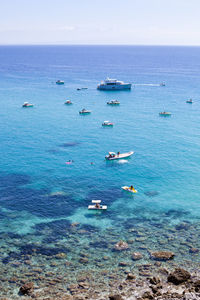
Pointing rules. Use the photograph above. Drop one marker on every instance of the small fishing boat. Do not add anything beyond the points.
(60, 82)
(165, 113)
(113, 102)
(68, 102)
(84, 111)
(189, 101)
(97, 205)
(26, 104)
(162, 84)
(118, 155)
(78, 89)
(107, 123)
(130, 189)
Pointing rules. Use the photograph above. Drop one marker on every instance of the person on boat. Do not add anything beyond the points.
(118, 153)
(97, 205)
(131, 187)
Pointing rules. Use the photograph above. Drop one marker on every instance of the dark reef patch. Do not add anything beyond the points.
(14, 180)
(69, 144)
(151, 193)
(175, 213)
(32, 249)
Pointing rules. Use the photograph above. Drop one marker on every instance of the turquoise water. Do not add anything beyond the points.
(39, 189)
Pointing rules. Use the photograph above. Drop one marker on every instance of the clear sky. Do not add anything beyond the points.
(137, 22)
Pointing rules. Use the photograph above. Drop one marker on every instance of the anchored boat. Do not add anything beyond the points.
(118, 155)
(60, 82)
(26, 104)
(165, 113)
(84, 111)
(68, 102)
(107, 123)
(113, 102)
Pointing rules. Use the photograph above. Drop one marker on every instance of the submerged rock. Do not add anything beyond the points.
(136, 256)
(130, 276)
(162, 255)
(178, 276)
(194, 250)
(27, 288)
(121, 245)
(115, 297)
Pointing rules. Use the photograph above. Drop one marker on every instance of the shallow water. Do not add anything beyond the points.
(41, 195)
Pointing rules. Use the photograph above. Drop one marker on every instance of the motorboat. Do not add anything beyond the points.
(113, 102)
(189, 101)
(68, 102)
(113, 84)
(83, 88)
(165, 113)
(26, 104)
(84, 111)
(130, 189)
(60, 82)
(96, 205)
(118, 155)
(162, 84)
(107, 123)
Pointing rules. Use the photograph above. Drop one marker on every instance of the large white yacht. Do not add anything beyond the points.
(113, 84)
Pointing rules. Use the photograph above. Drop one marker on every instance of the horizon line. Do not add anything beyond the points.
(136, 45)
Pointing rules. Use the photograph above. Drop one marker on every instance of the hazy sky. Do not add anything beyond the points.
(143, 22)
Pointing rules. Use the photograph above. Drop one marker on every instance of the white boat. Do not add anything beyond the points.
(26, 104)
(130, 189)
(107, 123)
(113, 102)
(118, 155)
(84, 111)
(97, 205)
(60, 82)
(113, 84)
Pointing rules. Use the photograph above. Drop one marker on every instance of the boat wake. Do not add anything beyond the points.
(146, 84)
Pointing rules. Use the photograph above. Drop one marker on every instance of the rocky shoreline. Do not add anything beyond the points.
(178, 284)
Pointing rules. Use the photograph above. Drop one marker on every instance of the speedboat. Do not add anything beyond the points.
(130, 189)
(107, 123)
(26, 104)
(165, 113)
(118, 155)
(84, 111)
(113, 84)
(189, 101)
(60, 82)
(113, 102)
(97, 205)
(68, 102)
(162, 84)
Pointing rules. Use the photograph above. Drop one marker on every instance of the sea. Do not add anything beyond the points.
(53, 161)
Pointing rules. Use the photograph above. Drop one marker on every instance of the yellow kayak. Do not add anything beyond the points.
(129, 189)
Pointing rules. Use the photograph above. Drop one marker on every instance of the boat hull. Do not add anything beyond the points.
(117, 87)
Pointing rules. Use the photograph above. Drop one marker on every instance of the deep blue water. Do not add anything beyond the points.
(37, 187)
